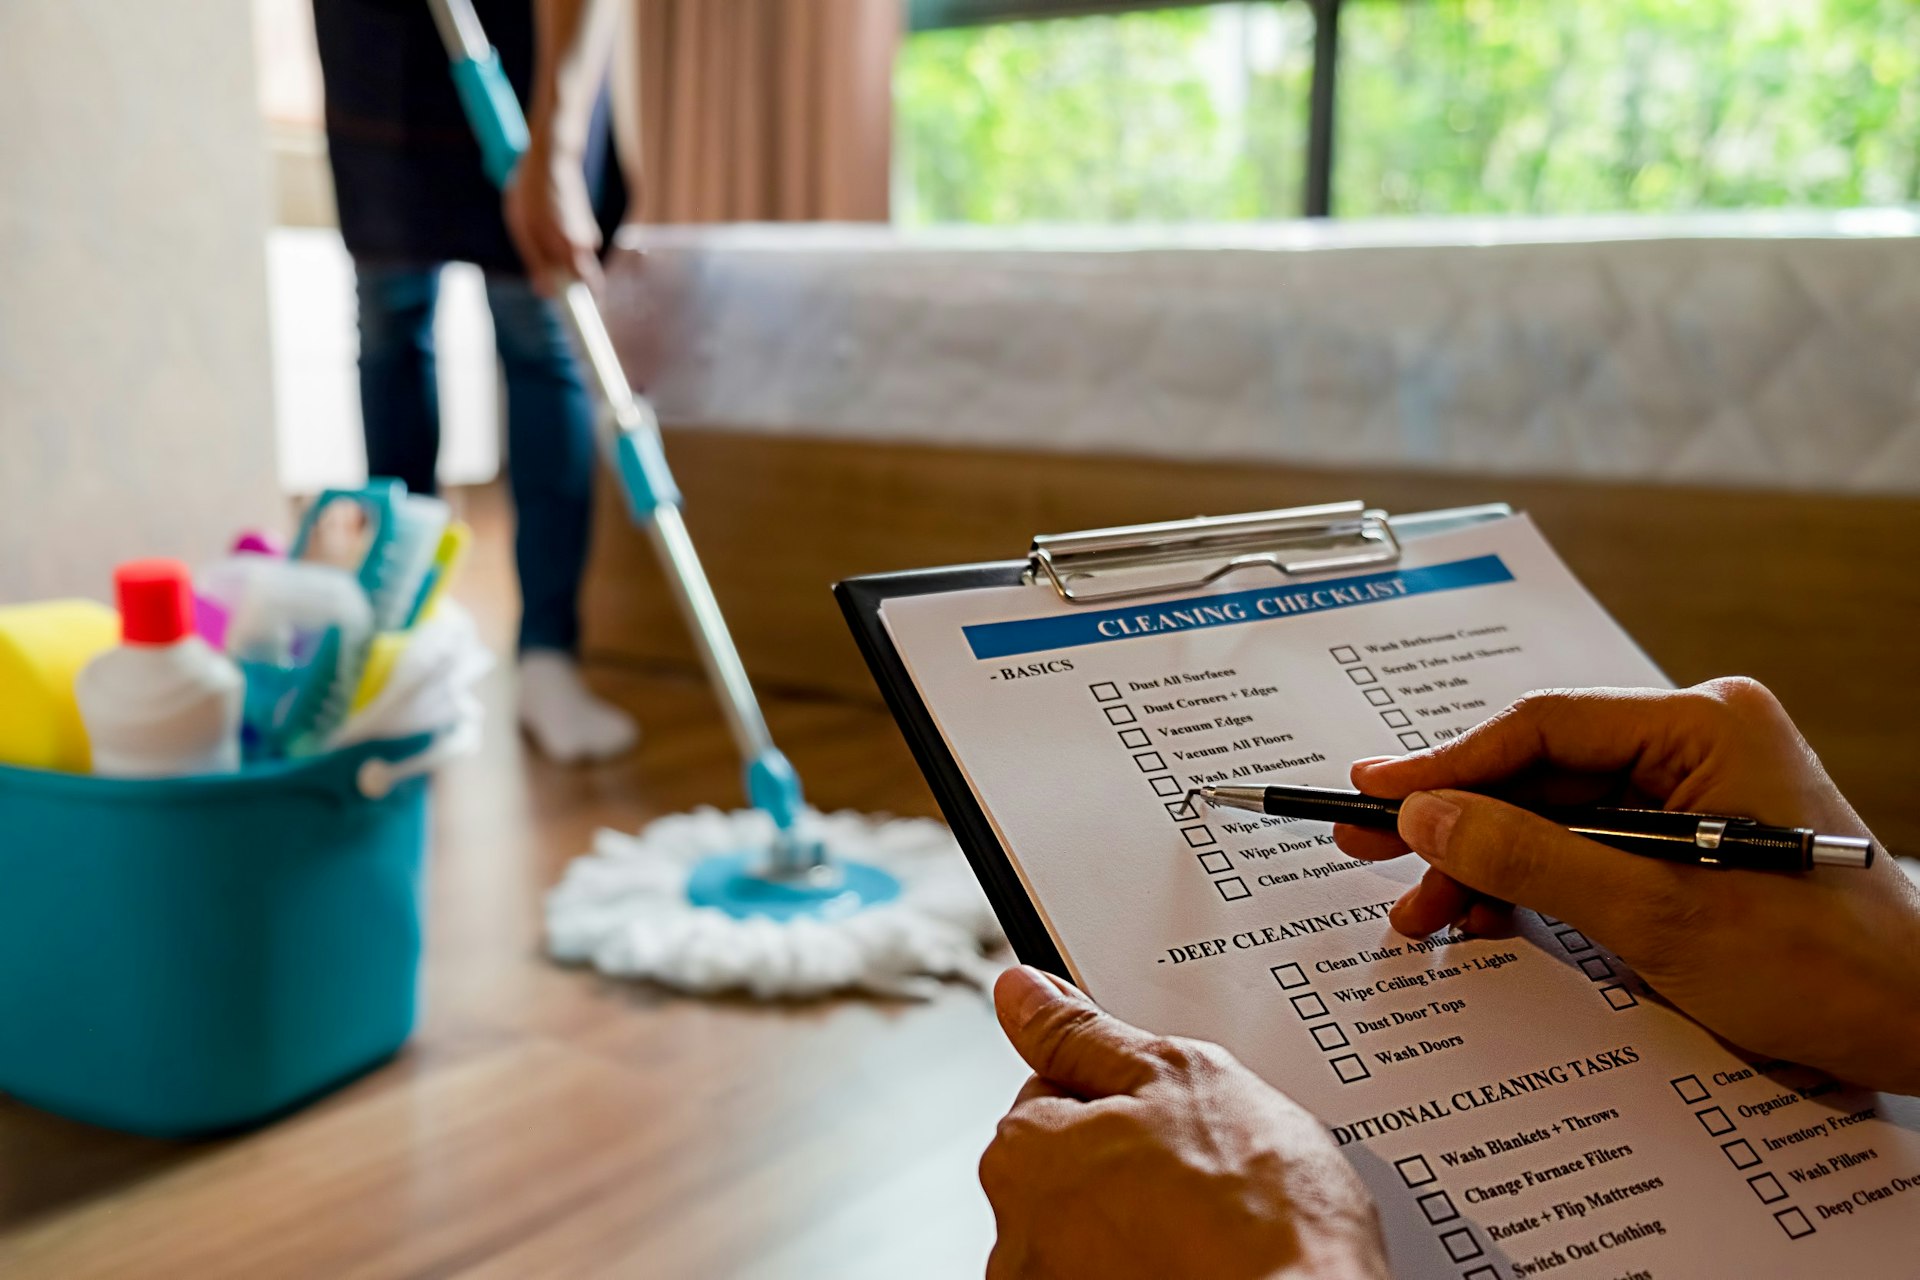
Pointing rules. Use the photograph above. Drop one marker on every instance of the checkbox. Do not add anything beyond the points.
(1134, 738)
(1413, 741)
(1105, 691)
(1619, 997)
(1349, 1068)
(1480, 1273)
(1767, 1187)
(1794, 1223)
(1180, 811)
(1149, 761)
(1741, 1152)
(1121, 714)
(1690, 1089)
(1233, 889)
(1395, 718)
(1164, 786)
(1414, 1170)
(1216, 862)
(1198, 837)
(1379, 697)
(1438, 1206)
(1714, 1121)
(1361, 675)
(1574, 940)
(1461, 1244)
(1309, 1006)
(1596, 968)
(1346, 655)
(1290, 976)
(1328, 1035)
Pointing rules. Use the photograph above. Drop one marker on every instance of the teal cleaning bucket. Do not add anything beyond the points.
(183, 956)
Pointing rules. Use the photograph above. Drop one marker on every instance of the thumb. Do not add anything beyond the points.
(1509, 853)
(1067, 1039)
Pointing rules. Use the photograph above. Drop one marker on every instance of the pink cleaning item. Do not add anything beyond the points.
(210, 619)
(256, 542)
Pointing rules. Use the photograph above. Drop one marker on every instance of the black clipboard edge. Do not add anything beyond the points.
(860, 600)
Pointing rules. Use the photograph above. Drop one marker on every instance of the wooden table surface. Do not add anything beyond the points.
(547, 1122)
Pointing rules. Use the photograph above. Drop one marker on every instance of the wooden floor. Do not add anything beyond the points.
(545, 1122)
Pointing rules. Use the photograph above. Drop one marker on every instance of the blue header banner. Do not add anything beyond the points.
(1066, 631)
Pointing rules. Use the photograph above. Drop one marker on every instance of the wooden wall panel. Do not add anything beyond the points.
(1814, 595)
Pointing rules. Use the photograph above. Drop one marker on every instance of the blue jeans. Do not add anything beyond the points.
(550, 441)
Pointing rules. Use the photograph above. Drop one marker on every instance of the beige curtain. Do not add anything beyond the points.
(761, 110)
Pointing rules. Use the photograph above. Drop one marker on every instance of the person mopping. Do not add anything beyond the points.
(779, 899)
(412, 196)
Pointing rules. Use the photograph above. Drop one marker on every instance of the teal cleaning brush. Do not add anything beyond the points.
(386, 538)
(418, 524)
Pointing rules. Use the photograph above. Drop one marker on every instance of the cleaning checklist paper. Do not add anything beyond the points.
(1521, 1106)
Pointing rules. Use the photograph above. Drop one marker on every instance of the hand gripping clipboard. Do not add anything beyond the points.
(1098, 567)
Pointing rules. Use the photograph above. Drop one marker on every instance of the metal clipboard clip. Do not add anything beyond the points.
(1177, 555)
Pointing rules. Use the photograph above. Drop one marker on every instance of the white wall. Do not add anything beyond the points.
(135, 378)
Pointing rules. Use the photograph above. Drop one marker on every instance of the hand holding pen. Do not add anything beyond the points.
(1674, 835)
(1821, 968)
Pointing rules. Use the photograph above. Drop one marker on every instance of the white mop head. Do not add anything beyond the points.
(623, 909)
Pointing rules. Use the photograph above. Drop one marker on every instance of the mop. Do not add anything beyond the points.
(776, 900)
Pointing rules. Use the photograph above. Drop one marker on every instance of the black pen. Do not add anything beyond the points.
(1701, 839)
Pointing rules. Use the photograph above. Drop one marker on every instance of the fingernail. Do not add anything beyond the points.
(1370, 762)
(1021, 993)
(1426, 820)
(1061, 985)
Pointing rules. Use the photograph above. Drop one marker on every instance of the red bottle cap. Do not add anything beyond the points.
(156, 601)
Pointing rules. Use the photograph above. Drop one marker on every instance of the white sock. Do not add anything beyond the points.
(563, 717)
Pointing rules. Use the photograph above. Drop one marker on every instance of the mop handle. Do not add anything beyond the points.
(654, 499)
(486, 98)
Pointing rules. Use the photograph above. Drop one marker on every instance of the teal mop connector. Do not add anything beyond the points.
(774, 788)
(739, 883)
(647, 482)
(493, 113)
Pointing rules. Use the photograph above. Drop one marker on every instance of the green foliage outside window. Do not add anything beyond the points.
(1444, 106)
(1158, 117)
(1484, 106)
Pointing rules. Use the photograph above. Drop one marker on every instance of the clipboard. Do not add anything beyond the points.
(1291, 989)
(1100, 567)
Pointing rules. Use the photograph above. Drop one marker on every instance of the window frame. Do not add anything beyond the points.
(943, 15)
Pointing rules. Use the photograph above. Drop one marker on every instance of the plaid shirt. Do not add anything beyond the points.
(406, 170)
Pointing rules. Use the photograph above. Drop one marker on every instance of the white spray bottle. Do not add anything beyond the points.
(161, 703)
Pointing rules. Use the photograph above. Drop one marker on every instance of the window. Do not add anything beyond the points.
(1066, 110)
(1173, 115)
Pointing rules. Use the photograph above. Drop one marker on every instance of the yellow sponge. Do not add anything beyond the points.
(42, 648)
